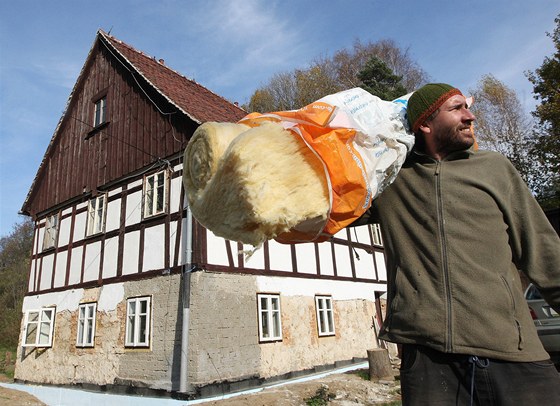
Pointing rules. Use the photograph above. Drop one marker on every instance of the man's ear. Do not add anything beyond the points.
(425, 128)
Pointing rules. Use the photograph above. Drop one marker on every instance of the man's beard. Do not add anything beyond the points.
(455, 140)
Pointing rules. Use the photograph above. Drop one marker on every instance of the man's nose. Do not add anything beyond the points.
(468, 116)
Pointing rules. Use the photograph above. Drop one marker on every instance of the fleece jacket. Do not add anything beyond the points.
(457, 232)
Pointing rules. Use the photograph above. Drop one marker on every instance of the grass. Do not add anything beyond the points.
(7, 363)
(321, 398)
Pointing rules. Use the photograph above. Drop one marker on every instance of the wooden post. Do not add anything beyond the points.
(379, 365)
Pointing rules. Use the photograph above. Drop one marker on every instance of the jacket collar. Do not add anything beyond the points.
(421, 157)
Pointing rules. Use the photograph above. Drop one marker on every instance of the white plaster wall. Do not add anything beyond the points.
(175, 194)
(340, 290)
(217, 253)
(60, 271)
(46, 272)
(41, 235)
(154, 248)
(76, 265)
(381, 266)
(112, 220)
(64, 231)
(133, 208)
(32, 276)
(131, 253)
(80, 226)
(92, 261)
(325, 258)
(67, 300)
(364, 266)
(255, 260)
(110, 257)
(280, 256)
(172, 239)
(362, 234)
(343, 265)
(110, 296)
(306, 258)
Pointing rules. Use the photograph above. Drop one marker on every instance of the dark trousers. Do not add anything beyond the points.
(429, 377)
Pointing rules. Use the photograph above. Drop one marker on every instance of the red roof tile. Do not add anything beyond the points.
(196, 101)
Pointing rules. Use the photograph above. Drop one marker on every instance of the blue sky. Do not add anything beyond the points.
(234, 46)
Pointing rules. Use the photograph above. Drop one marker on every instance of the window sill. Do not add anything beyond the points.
(97, 129)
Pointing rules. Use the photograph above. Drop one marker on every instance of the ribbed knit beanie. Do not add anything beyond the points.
(426, 100)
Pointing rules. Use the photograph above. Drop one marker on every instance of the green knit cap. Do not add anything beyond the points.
(426, 100)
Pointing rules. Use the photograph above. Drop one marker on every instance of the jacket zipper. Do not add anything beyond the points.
(444, 263)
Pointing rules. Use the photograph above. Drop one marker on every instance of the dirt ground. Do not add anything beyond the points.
(11, 397)
(344, 389)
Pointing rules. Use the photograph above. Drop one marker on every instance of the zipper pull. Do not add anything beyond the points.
(438, 166)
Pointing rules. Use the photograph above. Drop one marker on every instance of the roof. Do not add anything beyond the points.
(194, 100)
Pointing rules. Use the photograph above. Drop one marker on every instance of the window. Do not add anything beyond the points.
(39, 326)
(138, 322)
(96, 215)
(86, 324)
(51, 231)
(376, 230)
(325, 318)
(270, 325)
(100, 115)
(155, 194)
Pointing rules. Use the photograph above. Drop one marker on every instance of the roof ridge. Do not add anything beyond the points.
(152, 59)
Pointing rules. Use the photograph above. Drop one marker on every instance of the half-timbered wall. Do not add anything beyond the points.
(135, 134)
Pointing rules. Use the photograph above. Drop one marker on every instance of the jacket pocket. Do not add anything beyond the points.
(515, 321)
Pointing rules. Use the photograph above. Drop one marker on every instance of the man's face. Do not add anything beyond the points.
(450, 130)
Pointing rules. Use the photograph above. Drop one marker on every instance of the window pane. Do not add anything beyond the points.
(80, 332)
(143, 330)
(143, 306)
(160, 191)
(31, 333)
(264, 303)
(130, 330)
(44, 333)
(264, 323)
(276, 324)
(132, 307)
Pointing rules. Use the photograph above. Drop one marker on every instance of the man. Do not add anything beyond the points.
(458, 226)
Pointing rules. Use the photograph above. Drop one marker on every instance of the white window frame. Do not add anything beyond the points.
(100, 111)
(325, 315)
(270, 317)
(87, 314)
(39, 327)
(376, 232)
(51, 231)
(138, 323)
(155, 194)
(97, 208)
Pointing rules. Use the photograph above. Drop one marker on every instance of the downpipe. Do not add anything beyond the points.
(185, 299)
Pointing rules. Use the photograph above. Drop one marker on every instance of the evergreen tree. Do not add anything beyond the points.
(379, 80)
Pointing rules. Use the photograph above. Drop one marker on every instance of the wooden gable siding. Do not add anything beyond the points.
(83, 159)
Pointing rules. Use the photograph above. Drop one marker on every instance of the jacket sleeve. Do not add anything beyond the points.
(534, 242)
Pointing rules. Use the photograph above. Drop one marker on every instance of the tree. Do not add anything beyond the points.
(502, 125)
(15, 259)
(325, 76)
(380, 81)
(546, 89)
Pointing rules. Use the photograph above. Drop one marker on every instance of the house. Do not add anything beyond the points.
(128, 293)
